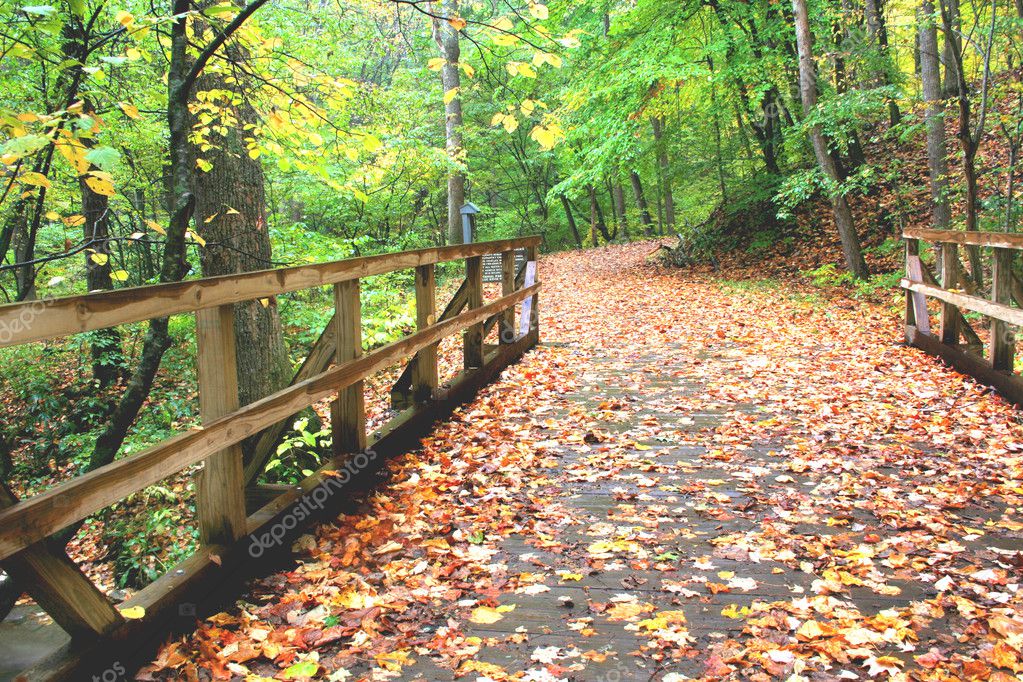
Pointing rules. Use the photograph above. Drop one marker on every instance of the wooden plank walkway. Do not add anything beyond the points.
(644, 498)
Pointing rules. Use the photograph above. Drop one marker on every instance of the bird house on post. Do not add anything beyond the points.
(469, 212)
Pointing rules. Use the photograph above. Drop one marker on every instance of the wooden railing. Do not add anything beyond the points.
(336, 367)
(955, 340)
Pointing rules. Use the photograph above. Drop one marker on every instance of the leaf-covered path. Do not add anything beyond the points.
(693, 477)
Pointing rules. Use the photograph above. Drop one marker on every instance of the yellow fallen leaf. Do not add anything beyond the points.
(486, 615)
(133, 612)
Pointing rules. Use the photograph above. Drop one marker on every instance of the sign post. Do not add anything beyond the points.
(468, 212)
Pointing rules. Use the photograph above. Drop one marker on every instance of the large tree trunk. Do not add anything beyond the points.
(446, 37)
(644, 210)
(664, 172)
(808, 95)
(930, 77)
(230, 208)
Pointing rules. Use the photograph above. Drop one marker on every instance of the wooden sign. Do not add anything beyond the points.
(526, 321)
(492, 265)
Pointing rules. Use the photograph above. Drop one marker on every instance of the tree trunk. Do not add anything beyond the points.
(571, 221)
(968, 138)
(105, 348)
(230, 208)
(951, 54)
(597, 222)
(175, 264)
(808, 95)
(644, 211)
(878, 29)
(446, 37)
(930, 77)
(664, 172)
(618, 194)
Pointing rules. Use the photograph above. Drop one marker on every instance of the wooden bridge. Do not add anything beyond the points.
(686, 488)
(231, 508)
(955, 340)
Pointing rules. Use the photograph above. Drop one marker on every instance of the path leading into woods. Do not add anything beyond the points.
(692, 478)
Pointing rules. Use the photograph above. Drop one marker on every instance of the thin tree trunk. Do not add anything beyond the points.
(597, 221)
(930, 77)
(105, 348)
(446, 37)
(808, 94)
(618, 194)
(953, 47)
(878, 29)
(571, 220)
(664, 171)
(644, 211)
(970, 139)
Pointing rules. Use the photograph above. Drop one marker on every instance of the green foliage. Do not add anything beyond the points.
(299, 454)
(877, 287)
(148, 534)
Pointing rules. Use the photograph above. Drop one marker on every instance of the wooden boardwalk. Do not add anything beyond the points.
(646, 498)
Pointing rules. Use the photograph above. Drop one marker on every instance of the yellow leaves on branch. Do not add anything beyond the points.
(35, 179)
(541, 58)
(436, 64)
(547, 136)
(458, 22)
(520, 69)
(100, 183)
(450, 95)
(539, 11)
(509, 122)
(504, 36)
(74, 153)
(130, 110)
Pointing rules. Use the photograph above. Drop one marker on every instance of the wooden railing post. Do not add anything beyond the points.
(473, 337)
(220, 486)
(506, 329)
(949, 321)
(424, 373)
(348, 412)
(1003, 341)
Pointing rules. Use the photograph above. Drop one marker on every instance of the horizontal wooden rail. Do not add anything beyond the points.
(999, 311)
(47, 319)
(35, 518)
(996, 367)
(1001, 240)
